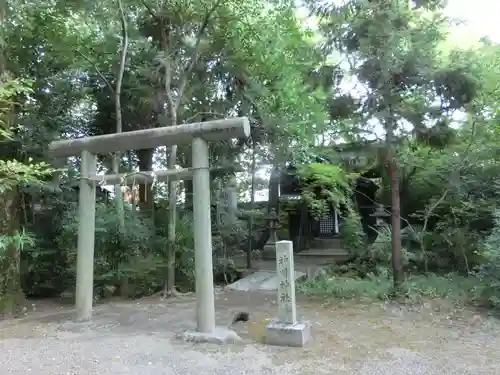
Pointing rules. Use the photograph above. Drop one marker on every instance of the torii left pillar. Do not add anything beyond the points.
(86, 238)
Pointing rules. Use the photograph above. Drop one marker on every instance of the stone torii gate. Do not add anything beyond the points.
(199, 134)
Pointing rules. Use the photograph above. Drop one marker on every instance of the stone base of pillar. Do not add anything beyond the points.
(286, 334)
(220, 335)
(269, 251)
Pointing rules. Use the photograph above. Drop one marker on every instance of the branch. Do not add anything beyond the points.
(150, 11)
(121, 70)
(215, 114)
(194, 58)
(97, 70)
(429, 211)
(168, 78)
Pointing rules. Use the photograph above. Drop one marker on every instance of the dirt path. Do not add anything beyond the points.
(139, 338)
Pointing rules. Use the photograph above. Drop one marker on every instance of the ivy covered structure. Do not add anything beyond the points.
(319, 192)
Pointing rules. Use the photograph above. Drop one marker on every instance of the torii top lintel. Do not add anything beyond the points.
(210, 131)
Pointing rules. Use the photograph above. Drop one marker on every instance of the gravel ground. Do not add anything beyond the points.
(357, 339)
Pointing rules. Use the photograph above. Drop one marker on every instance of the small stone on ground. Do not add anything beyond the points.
(221, 335)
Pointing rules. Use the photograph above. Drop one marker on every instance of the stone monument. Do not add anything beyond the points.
(286, 330)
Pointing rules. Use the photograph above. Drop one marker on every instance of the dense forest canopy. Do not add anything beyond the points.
(84, 68)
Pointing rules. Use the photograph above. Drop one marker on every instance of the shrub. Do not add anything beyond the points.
(489, 271)
(378, 285)
(129, 255)
(352, 235)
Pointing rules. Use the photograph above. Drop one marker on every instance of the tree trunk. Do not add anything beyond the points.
(11, 294)
(252, 207)
(188, 184)
(397, 268)
(172, 111)
(120, 209)
(392, 168)
(172, 218)
(118, 114)
(274, 193)
(188, 190)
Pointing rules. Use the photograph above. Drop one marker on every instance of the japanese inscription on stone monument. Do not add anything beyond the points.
(286, 282)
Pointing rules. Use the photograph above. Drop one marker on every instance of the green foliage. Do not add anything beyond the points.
(15, 173)
(324, 185)
(378, 285)
(457, 184)
(275, 72)
(326, 284)
(129, 254)
(380, 250)
(19, 240)
(184, 249)
(227, 242)
(9, 88)
(352, 235)
(342, 107)
(456, 86)
(62, 71)
(489, 270)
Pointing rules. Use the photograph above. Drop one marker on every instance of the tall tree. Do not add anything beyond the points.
(14, 172)
(232, 46)
(393, 47)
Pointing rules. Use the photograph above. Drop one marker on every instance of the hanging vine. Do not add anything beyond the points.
(324, 186)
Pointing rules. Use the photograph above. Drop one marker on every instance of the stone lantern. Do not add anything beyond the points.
(379, 214)
(269, 251)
